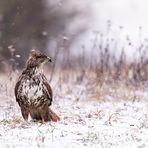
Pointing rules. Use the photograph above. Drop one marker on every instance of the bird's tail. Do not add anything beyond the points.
(48, 115)
(53, 116)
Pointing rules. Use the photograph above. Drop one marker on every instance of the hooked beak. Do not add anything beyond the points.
(49, 59)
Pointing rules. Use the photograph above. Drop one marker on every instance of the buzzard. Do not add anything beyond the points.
(33, 92)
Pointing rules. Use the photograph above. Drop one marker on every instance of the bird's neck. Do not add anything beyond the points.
(34, 70)
(39, 70)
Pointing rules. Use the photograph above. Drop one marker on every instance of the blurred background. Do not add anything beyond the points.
(44, 25)
(101, 36)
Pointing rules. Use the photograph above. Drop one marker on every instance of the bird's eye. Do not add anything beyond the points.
(42, 57)
(39, 56)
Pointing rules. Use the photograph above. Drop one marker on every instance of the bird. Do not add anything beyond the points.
(33, 92)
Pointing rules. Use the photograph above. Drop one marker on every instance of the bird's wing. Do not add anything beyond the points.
(16, 90)
(48, 91)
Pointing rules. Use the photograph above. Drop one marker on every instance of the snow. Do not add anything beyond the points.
(83, 124)
(112, 118)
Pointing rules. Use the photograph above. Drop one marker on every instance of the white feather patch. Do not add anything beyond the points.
(32, 91)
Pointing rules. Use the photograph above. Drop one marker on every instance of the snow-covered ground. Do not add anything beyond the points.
(83, 124)
(91, 123)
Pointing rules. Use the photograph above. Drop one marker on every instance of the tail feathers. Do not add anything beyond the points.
(53, 116)
(48, 115)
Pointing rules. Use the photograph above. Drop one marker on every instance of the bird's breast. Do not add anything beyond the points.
(32, 89)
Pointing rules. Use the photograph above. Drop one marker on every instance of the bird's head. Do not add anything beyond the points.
(36, 59)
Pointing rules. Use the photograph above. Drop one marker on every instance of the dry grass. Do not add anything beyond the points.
(92, 114)
(118, 88)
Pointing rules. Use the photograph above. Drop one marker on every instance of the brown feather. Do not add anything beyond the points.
(33, 92)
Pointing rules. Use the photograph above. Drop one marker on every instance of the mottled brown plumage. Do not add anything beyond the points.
(33, 92)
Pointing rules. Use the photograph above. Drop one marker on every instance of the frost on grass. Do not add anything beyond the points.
(114, 117)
